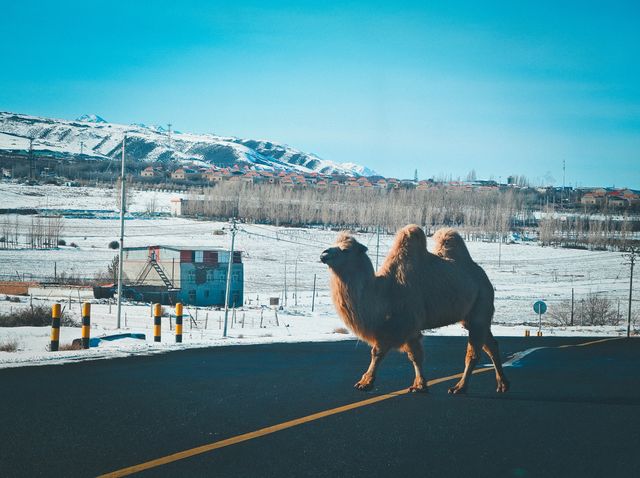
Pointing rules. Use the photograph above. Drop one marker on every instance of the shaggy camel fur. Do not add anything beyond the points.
(414, 290)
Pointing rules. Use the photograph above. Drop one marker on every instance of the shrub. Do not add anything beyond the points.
(62, 242)
(9, 346)
(598, 310)
(594, 309)
(73, 244)
(11, 298)
(114, 245)
(340, 330)
(37, 316)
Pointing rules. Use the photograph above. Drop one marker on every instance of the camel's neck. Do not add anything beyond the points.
(355, 299)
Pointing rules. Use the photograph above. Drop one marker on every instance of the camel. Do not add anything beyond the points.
(414, 290)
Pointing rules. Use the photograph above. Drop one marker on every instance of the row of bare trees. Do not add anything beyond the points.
(601, 231)
(474, 212)
(34, 232)
(478, 214)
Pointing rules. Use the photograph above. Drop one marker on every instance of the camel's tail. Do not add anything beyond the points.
(450, 245)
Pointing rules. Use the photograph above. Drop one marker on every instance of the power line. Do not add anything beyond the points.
(286, 232)
(315, 246)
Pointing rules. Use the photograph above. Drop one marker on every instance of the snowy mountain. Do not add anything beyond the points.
(99, 139)
(91, 119)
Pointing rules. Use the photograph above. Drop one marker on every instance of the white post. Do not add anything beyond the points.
(313, 297)
(228, 292)
(539, 320)
(120, 253)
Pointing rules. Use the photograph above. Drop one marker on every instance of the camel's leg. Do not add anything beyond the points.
(491, 348)
(415, 352)
(476, 341)
(377, 354)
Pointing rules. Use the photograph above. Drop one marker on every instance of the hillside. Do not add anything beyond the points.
(96, 138)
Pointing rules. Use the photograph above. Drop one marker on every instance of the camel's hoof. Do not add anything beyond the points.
(420, 389)
(419, 385)
(457, 390)
(363, 386)
(503, 387)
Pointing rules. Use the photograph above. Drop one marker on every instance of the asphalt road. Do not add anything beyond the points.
(572, 411)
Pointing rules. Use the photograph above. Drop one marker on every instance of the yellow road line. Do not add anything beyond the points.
(272, 429)
(599, 341)
(289, 424)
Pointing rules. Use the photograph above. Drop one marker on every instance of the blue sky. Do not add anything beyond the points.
(498, 87)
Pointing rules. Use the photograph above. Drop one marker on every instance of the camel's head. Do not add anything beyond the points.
(347, 252)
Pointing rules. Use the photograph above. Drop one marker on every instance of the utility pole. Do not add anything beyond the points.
(285, 279)
(377, 245)
(169, 133)
(563, 186)
(631, 255)
(121, 251)
(228, 292)
(81, 148)
(32, 165)
(572, 306)
(295, 282)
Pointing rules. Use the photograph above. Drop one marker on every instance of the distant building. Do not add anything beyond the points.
(632, 196)
(195, 276)
(423, 185)
(617, 201)
(151, 172)
(213, 176)
(185, 173)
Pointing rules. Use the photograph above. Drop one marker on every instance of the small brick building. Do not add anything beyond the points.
(196, 276)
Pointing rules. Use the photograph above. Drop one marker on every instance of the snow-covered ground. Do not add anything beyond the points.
(15, 195)
(521, 274)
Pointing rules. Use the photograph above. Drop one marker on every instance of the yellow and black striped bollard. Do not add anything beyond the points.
(86, 324)
(55, 328)
(157, 321)
(178, 323)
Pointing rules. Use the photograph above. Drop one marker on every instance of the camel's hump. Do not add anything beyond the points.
(412, 236)
(448, 243)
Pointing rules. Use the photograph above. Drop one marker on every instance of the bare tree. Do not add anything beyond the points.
(151, 205)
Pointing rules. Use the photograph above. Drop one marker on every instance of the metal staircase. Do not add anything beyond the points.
(152, 264)
(161, 273)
